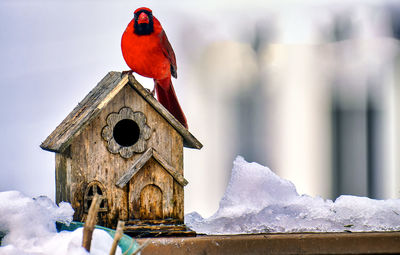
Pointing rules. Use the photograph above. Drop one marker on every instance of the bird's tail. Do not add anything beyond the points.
(167, 97)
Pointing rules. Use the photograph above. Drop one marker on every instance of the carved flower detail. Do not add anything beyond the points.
(126, 132)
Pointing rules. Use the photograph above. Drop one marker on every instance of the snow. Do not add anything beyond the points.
(29, 225)
(258, 201)
(255, 201)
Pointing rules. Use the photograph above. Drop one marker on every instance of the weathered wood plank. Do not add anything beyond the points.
(177, 176)
(178, 212)
(63, 166)
(161, 233)
(135, 168)
(158, 230)
(154, 222)
(155, 227)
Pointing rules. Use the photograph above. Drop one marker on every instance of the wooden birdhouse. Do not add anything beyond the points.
(123, 145)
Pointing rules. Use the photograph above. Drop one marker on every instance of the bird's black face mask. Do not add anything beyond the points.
(143, 28)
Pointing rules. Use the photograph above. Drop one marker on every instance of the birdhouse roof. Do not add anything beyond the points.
(96, 100)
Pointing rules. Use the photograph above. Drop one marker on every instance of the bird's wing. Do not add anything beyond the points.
(169, 53)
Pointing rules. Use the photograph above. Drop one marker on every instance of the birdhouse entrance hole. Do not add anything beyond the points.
(126, 132)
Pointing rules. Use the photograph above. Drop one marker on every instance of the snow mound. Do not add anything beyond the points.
(258, 201)
(29, 228)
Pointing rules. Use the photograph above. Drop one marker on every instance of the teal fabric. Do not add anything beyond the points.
(127, 244)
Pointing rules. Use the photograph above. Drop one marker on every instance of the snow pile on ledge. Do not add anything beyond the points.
(258, 201)
(29, 225)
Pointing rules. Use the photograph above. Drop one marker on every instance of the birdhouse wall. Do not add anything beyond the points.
(63, 173)
(87, 159)
(161, 203)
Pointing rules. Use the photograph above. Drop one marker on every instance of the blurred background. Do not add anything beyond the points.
(310, 89)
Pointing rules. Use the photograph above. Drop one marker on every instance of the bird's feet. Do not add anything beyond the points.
(152, 92)
(126, 72)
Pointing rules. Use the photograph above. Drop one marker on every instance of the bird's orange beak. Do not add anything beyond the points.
(143, 18)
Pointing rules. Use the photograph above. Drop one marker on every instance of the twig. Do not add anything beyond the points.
(141, 247)
(118, 234)
(90, 222)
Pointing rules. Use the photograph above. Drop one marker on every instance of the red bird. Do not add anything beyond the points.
(147, 51)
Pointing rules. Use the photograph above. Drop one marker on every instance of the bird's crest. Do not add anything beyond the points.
(141, 9)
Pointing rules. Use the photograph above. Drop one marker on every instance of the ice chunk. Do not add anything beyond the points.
(253, 187)
(258, 201)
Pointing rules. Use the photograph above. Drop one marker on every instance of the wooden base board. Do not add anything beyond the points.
(298, 243)
(157, 228)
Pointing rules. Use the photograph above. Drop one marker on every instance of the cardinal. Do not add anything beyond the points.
(147, 51)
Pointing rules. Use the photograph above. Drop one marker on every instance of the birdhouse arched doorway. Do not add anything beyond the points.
(151, 203)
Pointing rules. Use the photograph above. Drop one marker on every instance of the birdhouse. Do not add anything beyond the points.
(123, 145)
